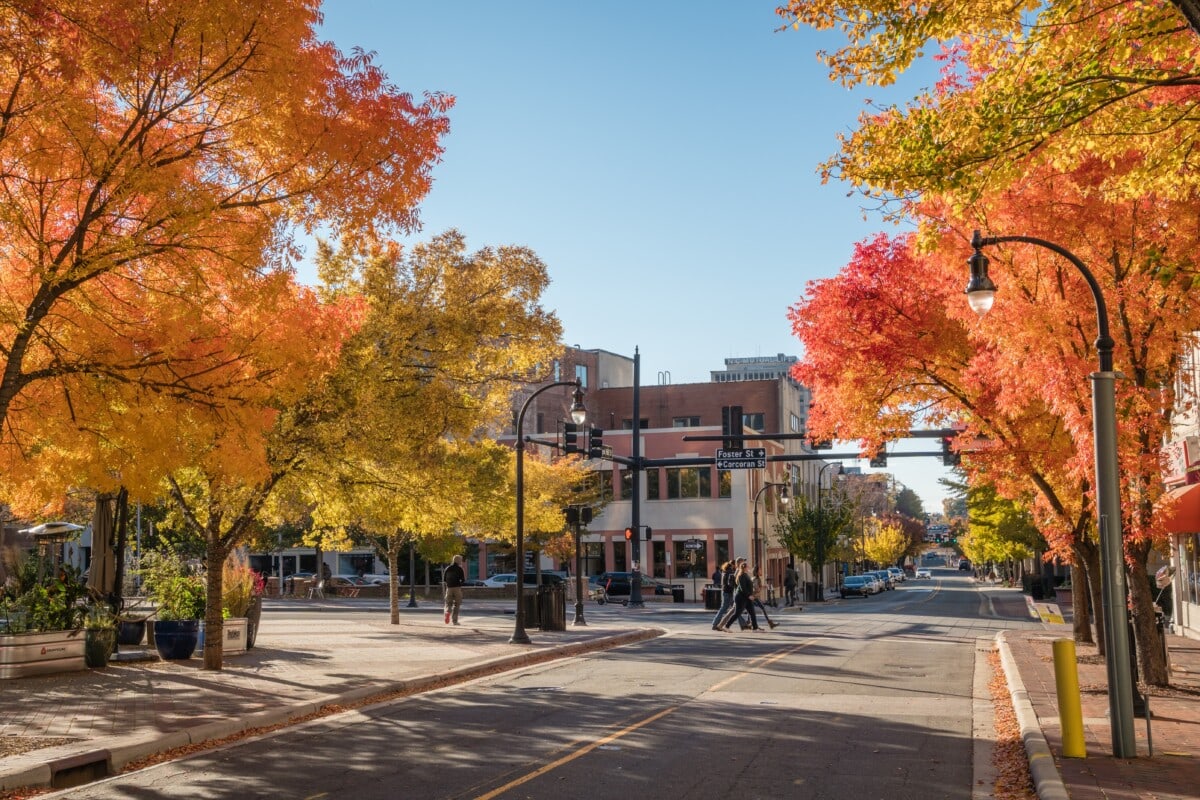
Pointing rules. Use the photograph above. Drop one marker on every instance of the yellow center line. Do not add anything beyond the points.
(553, 765)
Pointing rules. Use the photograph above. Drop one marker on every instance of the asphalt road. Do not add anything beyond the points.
(865, 698)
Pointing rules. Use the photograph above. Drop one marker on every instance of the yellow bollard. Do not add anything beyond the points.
(1070, 715)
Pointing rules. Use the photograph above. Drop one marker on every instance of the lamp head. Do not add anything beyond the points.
(783, 495)
(980, 289)
(578, 410)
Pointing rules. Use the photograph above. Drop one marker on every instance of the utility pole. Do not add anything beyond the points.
(635, 590)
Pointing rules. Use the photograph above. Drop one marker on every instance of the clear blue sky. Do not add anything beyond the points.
(660, 157)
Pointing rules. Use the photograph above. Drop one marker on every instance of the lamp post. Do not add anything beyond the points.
(578, 416)
(783, 498)
(821, 475)
(576, 517)
(412, 574)
(980, 294)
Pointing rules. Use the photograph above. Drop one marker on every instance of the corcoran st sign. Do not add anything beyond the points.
(746, 458)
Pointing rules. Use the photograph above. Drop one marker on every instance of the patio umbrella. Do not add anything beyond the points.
(102, 574)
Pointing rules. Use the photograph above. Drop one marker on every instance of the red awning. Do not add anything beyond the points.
(1181, 509)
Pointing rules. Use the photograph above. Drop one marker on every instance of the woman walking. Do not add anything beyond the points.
(742, 600)
(757, 597)
(724, 578)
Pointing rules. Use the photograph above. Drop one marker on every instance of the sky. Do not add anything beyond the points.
(660, 157)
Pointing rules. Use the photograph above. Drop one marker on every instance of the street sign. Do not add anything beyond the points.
(694, 544)
(744, 458)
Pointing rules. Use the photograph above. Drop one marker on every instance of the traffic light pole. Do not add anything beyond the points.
(637, 465)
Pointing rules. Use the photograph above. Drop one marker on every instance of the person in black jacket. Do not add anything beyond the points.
(743, 600)
(454, 576)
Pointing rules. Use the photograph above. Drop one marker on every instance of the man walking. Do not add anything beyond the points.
(790, 577)
(454, 576)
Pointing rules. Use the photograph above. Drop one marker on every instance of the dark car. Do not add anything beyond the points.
(855, 586)
(619, 584)
(964, 565)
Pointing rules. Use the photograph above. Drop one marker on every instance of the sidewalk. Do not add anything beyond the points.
(59, 728)
(1172, 773)
(97, 721)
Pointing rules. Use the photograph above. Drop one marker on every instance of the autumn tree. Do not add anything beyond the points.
(810, 532)
(885, 544)
(159, 158)
(1019, 377)
(1024, 87)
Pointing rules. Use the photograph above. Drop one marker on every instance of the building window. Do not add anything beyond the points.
(685, 422)
(754, 421)
(652, 492)
(689, 482)
(794, 423)
(604, 488)
(626, 478)
(690, 563)
(541, 422)
(581, 374)
(556, 366)
(627, 424)
(725, 483)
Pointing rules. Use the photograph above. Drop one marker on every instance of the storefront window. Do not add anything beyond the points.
(690, 562)
(1191, 569)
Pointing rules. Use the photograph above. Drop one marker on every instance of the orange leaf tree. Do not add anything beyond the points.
(158, 158)
(1020, 376)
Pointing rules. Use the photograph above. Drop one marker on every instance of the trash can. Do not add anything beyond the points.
(552, 607)
(811, 592)
(712, 598)
(677, 594)
(529, 606)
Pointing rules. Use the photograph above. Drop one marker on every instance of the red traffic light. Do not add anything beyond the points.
(628, 534)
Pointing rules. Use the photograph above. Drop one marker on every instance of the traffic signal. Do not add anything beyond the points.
(629, 534)
(949, 457)
(731, 428)
(585, 515)
(572, 514)
(570, 437)
(595, 443)
(649, 531)
(879, 457)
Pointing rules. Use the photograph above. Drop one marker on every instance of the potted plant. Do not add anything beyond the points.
(41, 619)
(100, 635)
(179, 595)
(240, 586)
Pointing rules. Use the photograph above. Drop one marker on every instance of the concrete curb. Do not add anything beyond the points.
(1046, 780)
(116, 756)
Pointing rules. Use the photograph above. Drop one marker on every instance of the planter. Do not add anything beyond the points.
(176, 640)
(98, 646)
(1063, 597)
(25, 654)
(131, 633)
(253, 616)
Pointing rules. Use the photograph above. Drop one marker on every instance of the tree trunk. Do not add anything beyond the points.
(393, 559)
(214, 628)
(1089, 555)
(1151, 660)
(1080, 606)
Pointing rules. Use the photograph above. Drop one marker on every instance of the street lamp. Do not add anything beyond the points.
(578, 416)
(783, 498)
(821, 475)
(980, 294)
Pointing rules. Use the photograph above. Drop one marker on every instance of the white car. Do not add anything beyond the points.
(923, 574)
(501, 580)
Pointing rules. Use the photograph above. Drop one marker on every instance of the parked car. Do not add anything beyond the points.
(346, 581)
(885, 578)
(923, 575)
(619, 583)
(503, 579)
(856, 586)
(898, 574)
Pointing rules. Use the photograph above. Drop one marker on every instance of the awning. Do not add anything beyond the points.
(1181, 509)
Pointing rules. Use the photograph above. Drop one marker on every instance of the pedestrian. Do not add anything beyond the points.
(757, 580)
(743, 599)
(454, 577)
(790, 577)
(724, 579)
